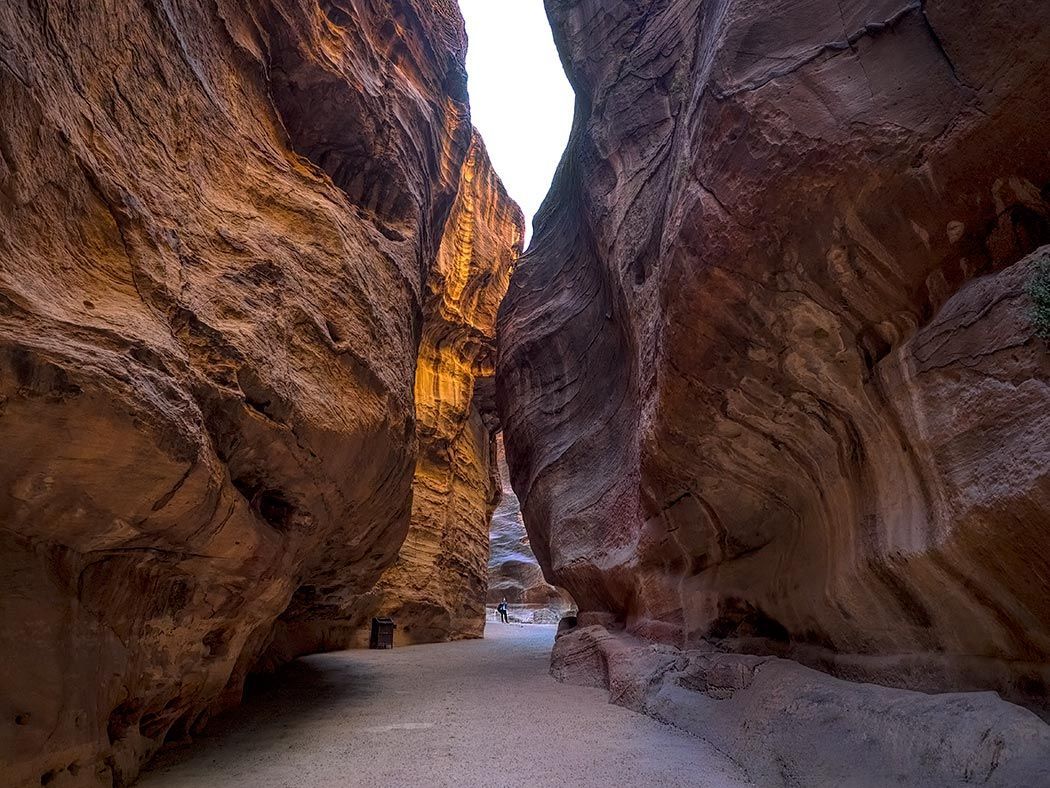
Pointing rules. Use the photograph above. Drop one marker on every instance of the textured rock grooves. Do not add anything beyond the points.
(766, 376)
(436, 589)
(217, 224)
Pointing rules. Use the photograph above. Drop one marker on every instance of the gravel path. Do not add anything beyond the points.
(473, 713)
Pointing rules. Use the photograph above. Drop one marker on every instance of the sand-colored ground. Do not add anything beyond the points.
(473, 713)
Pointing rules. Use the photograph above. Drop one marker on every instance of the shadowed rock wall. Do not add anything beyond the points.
(216, 223)
(436, 589)
(760, 382)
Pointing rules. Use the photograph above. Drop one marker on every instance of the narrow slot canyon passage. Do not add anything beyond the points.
(475, 713)
(523, 393)
(515, 577)
(444, 714)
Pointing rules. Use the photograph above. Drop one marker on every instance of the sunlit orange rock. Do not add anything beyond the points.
(217, 224)
(436, 589)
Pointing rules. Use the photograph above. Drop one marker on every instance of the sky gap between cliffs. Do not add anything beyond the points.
(520, 99)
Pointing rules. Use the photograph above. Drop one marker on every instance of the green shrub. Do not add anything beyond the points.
(1039, 291)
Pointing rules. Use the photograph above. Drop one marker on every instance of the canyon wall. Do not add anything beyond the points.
(514, 573)
(766, 373)
(217, 221)
(436, 589)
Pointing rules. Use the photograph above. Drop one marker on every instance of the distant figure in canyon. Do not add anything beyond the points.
(501, 608)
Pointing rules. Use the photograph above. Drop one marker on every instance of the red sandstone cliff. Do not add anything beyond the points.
(216, 225)
(766, 374)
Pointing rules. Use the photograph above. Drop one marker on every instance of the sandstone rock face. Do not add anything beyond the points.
(436, 589)
(513, 572)
(788, 725)
(766, 374)
(216, 222)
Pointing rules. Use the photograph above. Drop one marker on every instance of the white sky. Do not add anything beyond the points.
(520, 100)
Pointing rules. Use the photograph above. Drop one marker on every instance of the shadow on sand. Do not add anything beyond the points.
(277, 709)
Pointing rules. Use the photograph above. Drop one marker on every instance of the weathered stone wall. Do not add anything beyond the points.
(747, 393)
(436, 589)
(216, 224)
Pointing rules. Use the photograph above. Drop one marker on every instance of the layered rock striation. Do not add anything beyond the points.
(436, 589)
(217, 221)
(767, 376)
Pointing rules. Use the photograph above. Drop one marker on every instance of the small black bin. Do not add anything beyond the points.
(382, 633)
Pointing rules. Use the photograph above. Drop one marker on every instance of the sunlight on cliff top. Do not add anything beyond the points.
(520, 100)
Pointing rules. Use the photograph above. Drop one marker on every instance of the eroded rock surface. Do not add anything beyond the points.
(216, 223)
(436, 589)
(766, 375)
(788, 725)
(513, 572)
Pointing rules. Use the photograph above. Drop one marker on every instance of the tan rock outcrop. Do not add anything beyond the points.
(514, 573)
(436, 589)
(766, 374)
(216, 223)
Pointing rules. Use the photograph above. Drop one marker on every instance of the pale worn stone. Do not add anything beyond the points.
(217, 220)
(788, 725)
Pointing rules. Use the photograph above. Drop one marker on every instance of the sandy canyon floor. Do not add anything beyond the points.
(472, 713)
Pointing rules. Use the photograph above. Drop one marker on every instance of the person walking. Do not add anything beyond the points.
(501, 608)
